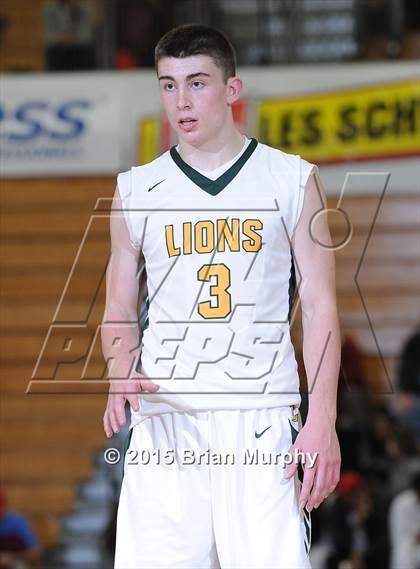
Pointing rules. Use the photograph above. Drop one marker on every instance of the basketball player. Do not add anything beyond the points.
(212, 224)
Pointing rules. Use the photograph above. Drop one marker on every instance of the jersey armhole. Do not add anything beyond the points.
(305, 170)
(124, 191)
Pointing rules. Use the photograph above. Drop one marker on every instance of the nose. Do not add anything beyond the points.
(183, 101)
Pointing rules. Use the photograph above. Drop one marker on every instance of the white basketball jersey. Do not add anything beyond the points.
(218, 262)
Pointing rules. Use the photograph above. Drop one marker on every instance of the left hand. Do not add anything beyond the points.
(319, 481)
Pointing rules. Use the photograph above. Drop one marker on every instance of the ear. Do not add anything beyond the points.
(234, 88)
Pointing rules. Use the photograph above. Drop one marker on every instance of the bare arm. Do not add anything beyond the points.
(120, 331)
(312, 247)
(321, 345)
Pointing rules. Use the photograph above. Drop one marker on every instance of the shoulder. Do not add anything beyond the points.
(277, 155)
(286, 163)
(162, 161)
(406, 497)
(139, 178)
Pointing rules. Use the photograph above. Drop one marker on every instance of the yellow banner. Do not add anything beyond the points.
(363, 123)
(148, 140)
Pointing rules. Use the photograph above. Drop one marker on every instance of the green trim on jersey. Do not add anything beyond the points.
(294, 432)
(214, 187)
(305, 514)
(144, 314)
(308, 530)
(292, 288)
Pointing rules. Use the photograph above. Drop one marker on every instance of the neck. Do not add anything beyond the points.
(213, 153)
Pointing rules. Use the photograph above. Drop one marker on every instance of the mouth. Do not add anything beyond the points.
(187, 123)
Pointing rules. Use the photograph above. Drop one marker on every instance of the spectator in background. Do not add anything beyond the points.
(352, 404)
(409, 385)
(404, 528)
(141, 24)
(4, 22)
(68, 36)
(387, 453)
(19, 548)
(357, 526)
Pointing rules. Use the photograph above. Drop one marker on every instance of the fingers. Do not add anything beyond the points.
(308, 480)
(325, 480)
(119, 416)
(107, 425)
(148, 385)
(114, 416)
(120, 391)
(110, 424)
(134, 401)
(318, 492)
(334, 477)
(115, 420)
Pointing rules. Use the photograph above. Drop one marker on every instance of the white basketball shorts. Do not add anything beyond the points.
(205, 490)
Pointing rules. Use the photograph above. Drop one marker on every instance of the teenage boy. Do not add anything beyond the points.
(212, 225)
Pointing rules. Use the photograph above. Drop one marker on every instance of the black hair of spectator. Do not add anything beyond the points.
(416, 483)
(197, 39)
(409, 365)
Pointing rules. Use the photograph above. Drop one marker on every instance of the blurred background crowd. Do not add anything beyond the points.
(120, 34)
(58, 498)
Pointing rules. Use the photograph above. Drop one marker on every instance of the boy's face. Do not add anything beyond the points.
(195, 97)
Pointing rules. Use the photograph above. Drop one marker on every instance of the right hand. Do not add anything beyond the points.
(119, 392)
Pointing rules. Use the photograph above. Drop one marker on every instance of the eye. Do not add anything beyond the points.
(169, 87)
(197, 84)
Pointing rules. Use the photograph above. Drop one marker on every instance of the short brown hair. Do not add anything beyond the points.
(196, 39)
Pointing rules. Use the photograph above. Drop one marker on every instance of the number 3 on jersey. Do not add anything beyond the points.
(219, 291)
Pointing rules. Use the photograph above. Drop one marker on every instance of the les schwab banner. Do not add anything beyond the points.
(363, 123)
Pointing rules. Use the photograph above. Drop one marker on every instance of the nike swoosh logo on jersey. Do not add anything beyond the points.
(258, 435)
(151, 187)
